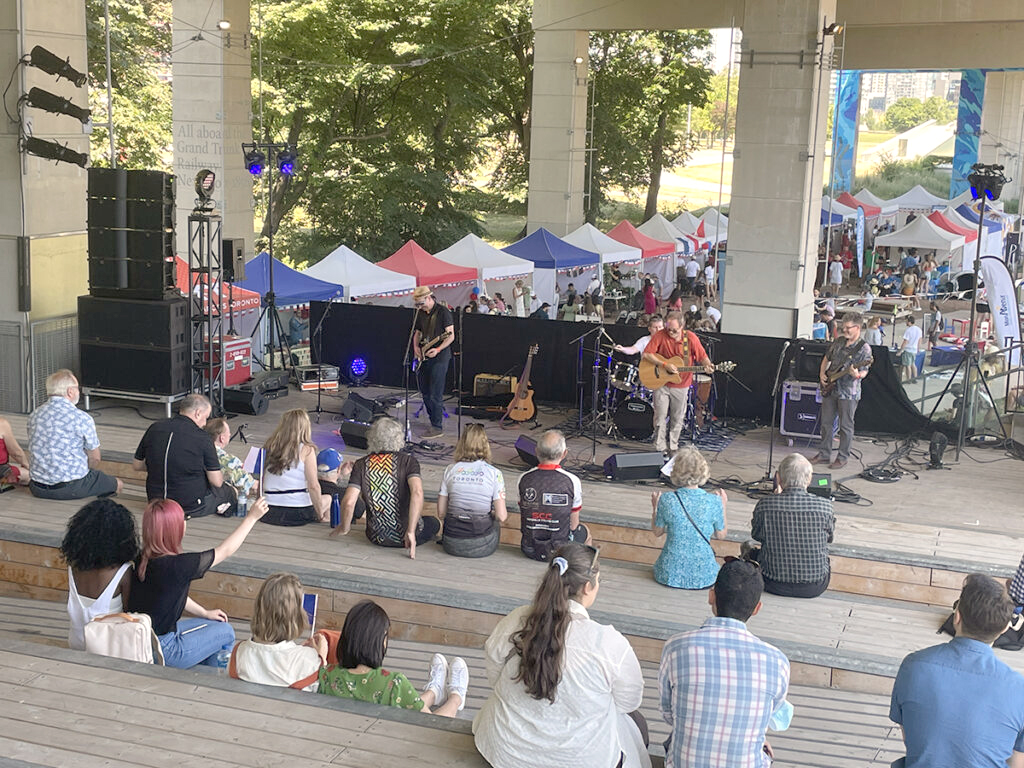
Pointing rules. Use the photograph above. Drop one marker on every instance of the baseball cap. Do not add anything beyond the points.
(327, 460)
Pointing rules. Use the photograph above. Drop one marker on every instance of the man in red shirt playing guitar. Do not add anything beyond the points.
(670, 400)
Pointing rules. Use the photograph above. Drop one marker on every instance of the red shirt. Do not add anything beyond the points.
(665, 346)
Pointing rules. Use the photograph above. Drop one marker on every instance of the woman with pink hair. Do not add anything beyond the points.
(161, 581)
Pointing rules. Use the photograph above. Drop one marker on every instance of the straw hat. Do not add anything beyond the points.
(420, 293)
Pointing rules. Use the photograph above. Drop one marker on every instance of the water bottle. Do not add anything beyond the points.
(224, 655)
(243, 505)
(335, 511)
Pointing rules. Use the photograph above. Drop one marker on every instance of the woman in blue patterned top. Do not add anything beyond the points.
(689, 518)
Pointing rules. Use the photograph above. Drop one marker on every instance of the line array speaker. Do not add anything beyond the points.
(133, 323)
(159, 371)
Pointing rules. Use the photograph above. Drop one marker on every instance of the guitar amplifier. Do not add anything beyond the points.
(801, 409)
(490, 384)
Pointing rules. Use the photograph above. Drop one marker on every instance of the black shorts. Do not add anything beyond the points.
(290, 516)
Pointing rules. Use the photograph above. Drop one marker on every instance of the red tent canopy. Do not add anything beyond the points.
(939, 220)
(626, 233)
(411, 259)
(870, 211)
(241, 298)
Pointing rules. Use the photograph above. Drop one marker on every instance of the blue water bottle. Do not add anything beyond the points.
(335, 511)
(224, 655)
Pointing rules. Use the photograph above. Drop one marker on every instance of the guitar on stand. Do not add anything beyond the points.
(522, 408)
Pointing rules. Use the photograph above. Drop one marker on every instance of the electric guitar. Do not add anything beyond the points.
(426, 346)
(522, 408)
(654, 376)
(832, 377)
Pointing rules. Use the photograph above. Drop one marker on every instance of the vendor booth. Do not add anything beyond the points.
(362, 280)
(659, 256)
(554, 259)
(450, 283)
(496, 271)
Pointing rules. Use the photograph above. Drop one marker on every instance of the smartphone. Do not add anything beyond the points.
(309, 602)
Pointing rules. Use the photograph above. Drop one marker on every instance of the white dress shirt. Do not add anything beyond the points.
(588, 725)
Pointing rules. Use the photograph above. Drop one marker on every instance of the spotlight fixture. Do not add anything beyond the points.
(358, 370)
(42, 59)
(51, 150)
(204, 186)
(223, 24)
(255, 161)
(58, 105)
(987, 180)
(286, 161)
(833, 29)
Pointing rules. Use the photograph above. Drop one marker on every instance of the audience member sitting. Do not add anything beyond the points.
(230, 465)
(181, 462)
(160, 584)
(389, 483)
(690, 518)
(13, 461)
(956, 703)
(566, 689)
(721, 687)
(290, 481)
(794, 529)
(360, 675)
(333, 473)
(274, 654)
(471, 500)
(550, 500)
(99, 547)
(64, 446)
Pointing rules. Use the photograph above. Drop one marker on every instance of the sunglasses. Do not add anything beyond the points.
(593, 560)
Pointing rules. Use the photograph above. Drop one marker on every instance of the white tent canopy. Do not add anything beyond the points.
(686, 223)
(359, 277)
(716, 226)
(919, 199)
(828, 204)
(889, 207)
(490, 262)
(922, 233)
(590, 238)
(661, 228)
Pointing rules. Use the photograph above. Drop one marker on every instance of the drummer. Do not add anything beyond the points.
(655, 324)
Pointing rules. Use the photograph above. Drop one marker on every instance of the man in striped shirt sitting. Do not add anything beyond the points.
(721, 687)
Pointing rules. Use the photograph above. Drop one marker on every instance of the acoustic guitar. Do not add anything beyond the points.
(426, 346)
(655, 376)
(522, 408)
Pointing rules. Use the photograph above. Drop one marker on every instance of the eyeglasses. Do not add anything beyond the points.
(419, 304)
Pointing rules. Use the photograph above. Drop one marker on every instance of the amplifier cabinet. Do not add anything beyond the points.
(801, 409)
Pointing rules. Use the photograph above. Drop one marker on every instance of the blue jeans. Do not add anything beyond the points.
(430, 376)
(184, 649)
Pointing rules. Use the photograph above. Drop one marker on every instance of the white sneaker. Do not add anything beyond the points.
(438, 673)
(458, 680)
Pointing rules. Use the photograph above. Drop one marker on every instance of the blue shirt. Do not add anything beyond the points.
(687, 560)
(720, 686)
(959, 706)
(58, 437)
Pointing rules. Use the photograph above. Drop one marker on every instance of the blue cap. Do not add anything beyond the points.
(328, 460)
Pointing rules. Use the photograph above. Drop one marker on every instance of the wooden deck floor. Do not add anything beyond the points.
(831, 728)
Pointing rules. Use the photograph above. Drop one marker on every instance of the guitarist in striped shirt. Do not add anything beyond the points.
(845, 363)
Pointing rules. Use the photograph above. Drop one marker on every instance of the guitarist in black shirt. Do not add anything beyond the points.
(845, 363)
(434, 333)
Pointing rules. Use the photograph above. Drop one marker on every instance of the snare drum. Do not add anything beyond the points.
(624, 377)
(635, 418)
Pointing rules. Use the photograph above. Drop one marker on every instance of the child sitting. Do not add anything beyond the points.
(359, 675)
(333, 474)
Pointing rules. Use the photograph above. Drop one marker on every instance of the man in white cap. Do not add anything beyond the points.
(432, 339)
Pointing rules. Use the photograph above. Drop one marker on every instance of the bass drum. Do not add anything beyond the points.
(634, 418)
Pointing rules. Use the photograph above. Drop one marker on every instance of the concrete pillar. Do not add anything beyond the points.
(845, 121)
(968, 128)
(1002, 128)
(777, 172)
(558, 134)
(212, 112)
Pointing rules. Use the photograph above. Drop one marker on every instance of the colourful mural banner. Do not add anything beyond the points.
(968, 129)
(844, 130)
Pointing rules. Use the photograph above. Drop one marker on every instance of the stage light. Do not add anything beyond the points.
(255, 161)
(987, 180)
(53, 151)
(57, 105)
(204, 185)
(286, 161)
(52, 65)
(833, 29)
(358, 370)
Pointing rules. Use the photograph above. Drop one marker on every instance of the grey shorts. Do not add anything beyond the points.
(907, 359)
(95, 483)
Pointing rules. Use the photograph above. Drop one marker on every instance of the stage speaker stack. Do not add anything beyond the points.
(634, 466)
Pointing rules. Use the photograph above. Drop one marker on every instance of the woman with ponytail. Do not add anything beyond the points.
(565, 689)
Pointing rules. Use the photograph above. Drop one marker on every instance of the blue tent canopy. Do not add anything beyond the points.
(547, 251)
(826, 220)
(290, 287)
(969, 213)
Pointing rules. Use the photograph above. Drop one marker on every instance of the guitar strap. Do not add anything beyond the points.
(844, 355)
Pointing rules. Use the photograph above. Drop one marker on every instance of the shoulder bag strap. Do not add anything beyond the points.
(306, 681)
(685, 512)
(233, 663)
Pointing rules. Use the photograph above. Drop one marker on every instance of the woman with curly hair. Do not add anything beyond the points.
(565, 689)
(99, 546)
(290, 482)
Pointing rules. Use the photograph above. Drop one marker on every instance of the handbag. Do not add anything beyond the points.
(124, 636)
(1011, 640)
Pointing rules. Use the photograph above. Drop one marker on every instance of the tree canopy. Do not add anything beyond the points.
(908, 112)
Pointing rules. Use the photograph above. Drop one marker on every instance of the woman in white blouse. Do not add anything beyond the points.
(565, 688)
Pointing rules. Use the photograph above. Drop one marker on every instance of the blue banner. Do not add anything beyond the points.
(844, 130)
(968, 129)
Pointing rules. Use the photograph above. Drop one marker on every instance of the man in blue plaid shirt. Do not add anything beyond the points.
(721, 687)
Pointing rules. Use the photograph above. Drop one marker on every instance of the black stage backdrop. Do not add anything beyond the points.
(499, 344)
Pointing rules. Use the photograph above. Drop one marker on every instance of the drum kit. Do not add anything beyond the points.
(626, 407)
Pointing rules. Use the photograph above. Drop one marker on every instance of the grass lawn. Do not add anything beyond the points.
(502, 228)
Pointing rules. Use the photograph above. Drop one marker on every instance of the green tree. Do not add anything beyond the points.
(904, 114)
(140, 51)
(939, 110)
(714, 121)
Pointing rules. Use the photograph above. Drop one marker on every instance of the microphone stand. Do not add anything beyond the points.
(318, 332)
(775, 396)
(458, 375)
(406, 365)
(579, 374)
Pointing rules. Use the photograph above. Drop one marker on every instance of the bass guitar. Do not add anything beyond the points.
(522, 408)
(832, 377)
(654, 376)
(426, 346)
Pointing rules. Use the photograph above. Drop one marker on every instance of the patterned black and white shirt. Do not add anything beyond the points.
(795, 529)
